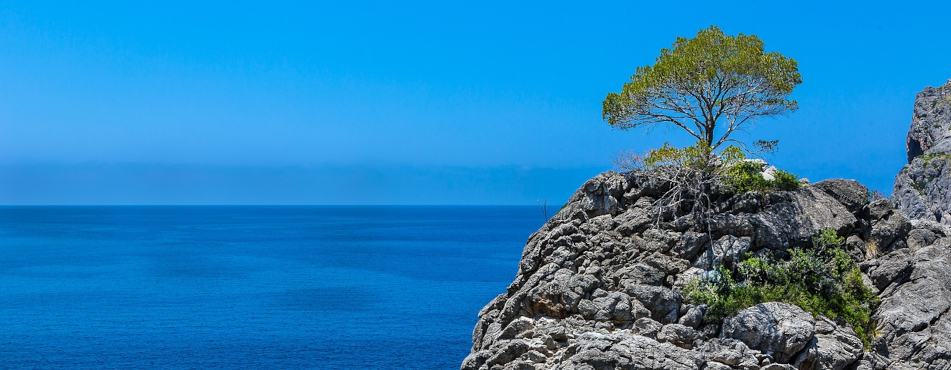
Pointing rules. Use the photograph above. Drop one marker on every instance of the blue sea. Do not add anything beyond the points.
(245, 287)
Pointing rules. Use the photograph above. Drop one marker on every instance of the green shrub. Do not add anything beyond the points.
(746, 176)
(695, 157)
(698, 165)
(785, 181)
(932, 156)
(822, 280)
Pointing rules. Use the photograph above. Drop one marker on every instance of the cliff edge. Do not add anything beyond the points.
(601, 284)
(922, 186)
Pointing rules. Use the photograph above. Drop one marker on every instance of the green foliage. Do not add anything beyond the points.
(746, 176)
(705, 81)
(729, 166)
(822, 280)
(785, 181)
(932, 156)
(921, 185)
(669, 155)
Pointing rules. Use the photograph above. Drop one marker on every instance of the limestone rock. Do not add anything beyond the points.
(795, 217)
(777, 329)
(600, 285)
(850, 193)
(678, 335)
(892, 268)
(620, 351)
(930, 122)
(923, 187)
(913, 317)
(833, 348)
(728, 351)
(693, 317)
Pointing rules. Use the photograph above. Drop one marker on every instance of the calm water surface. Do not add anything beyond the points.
(251, 287)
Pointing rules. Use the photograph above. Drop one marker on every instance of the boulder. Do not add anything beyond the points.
(777, 329)
(833, 348)
(632, 352)
(679, 335)
(850, 193)
(728, 351)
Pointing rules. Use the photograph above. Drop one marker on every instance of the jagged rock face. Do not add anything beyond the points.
(599, 286)
(931, 121)
(923, 187)
(913, 316)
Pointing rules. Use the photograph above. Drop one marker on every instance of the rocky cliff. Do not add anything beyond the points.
(922, 186)
(601, 285)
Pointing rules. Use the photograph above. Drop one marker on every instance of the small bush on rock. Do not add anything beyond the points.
(699, 167)
(693, 176)
(785, 181)
(747, 176)
(822, 280)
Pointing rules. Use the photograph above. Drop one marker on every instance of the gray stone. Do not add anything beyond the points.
(913, 317)
(662, 302)
(516, 327)
(690, 244)
(726, 250)
(749, 202)
(647, 327)
(778, 329)
(850, 193)
(872, 361)
(939, 229)
(835, 349)
(599, 286)
(769, 173)
(614, 306)
(794, 218)
(893, 267)
(633, 222)
(923, 187)
(887, 228)
(857, 248)
(603, 194)
(619, 351)
(679, 335)
(931, 120)
(920, 238)
(693, 317)
(728, 351)
(778, 367)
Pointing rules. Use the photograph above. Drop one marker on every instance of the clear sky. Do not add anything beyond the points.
(441, 102)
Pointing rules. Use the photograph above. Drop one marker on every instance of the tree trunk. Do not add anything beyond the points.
(710, 125)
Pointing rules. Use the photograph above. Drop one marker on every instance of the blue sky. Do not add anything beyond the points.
(439, 102)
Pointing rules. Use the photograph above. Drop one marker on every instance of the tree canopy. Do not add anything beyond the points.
(704, 81)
